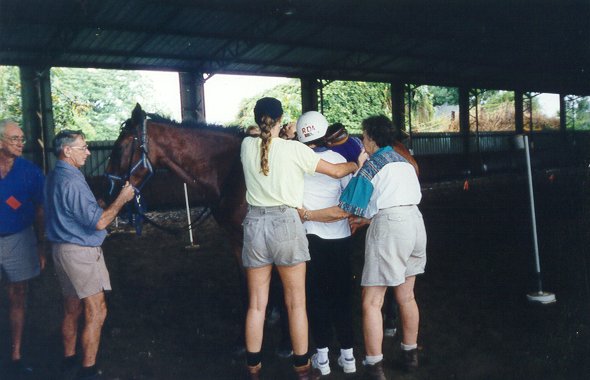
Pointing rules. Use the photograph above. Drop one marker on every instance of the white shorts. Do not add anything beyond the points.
(395, 247)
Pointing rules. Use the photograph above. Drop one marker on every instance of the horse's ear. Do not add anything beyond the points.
(138, 115)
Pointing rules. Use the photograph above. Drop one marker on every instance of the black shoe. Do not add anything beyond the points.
(69, 364)
(18, 370)
(375, 371)
(410, 359)
(88, 374)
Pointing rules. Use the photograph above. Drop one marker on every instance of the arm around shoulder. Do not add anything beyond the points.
(336, 170)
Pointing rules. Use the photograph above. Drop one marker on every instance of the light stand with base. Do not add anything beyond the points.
(539, 296)
(190, 227)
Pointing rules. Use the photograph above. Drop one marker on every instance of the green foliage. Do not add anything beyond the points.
(95, 101)
(421, 105)
(288, 93)
(578, 113)
(351, 102)
(345, 102)
(10, 93)
(98, 101)
(444, 95)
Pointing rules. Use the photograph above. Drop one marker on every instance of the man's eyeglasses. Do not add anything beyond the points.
(83, 147)
(16, 139)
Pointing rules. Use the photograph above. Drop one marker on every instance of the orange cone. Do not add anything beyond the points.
(466, 185)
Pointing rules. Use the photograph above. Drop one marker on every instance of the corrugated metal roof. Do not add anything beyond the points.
(530, 45)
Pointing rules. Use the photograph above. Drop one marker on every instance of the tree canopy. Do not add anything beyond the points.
(95, 101)
(345, 102)
(98, 101)
(10, 90)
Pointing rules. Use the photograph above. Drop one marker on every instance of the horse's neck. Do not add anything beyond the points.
(191, 156)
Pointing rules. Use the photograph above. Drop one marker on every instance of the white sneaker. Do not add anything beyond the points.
(324, 367)
(348, 365)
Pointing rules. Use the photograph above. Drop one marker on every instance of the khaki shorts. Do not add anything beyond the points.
(395, 247)
(273, 235)
(82, 271)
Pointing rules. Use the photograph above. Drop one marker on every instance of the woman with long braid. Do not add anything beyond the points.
(273, 232)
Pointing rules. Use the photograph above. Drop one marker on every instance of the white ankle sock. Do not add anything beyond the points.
(346, 353)
(371, 360)
(323, 354)
(408, 347)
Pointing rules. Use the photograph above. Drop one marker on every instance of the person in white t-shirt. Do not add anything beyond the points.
(273, 233)
(329, 277)
(385, 192)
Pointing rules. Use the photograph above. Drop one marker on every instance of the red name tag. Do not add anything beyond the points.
(13, 203)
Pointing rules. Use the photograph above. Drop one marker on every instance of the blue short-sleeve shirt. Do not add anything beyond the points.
(350, 149)
(21, 191)
(71, 210)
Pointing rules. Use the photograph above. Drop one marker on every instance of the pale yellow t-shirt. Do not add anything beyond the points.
(288, 161)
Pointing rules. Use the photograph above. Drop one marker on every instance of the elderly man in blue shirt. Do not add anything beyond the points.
(76, 226)
(22, 254)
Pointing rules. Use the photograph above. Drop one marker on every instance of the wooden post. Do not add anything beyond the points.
(464, 118)
(309, 94)
(37, 108)
(518, 112)
(192, 96)
(398, 104)
(562, 115)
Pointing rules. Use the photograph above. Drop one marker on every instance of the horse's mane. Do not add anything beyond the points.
(236, 130)
(156, 118)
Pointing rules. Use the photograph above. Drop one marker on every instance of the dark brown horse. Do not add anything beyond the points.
(205, 157)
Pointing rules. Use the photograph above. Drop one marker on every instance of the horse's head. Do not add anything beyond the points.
(129, 159)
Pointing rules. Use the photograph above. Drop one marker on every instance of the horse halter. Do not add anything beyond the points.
(143, 162)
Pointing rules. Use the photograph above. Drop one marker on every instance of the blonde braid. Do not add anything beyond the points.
(265, 126)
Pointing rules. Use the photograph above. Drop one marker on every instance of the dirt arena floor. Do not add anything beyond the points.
(175, 313)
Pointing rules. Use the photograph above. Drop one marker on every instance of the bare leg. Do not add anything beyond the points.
(69, 326)
(408, 310)
(293, 279)
(372, 301)
(258, 285)
(95, 312)
(17, 293)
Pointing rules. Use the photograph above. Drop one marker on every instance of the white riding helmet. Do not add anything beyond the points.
(312, 125)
